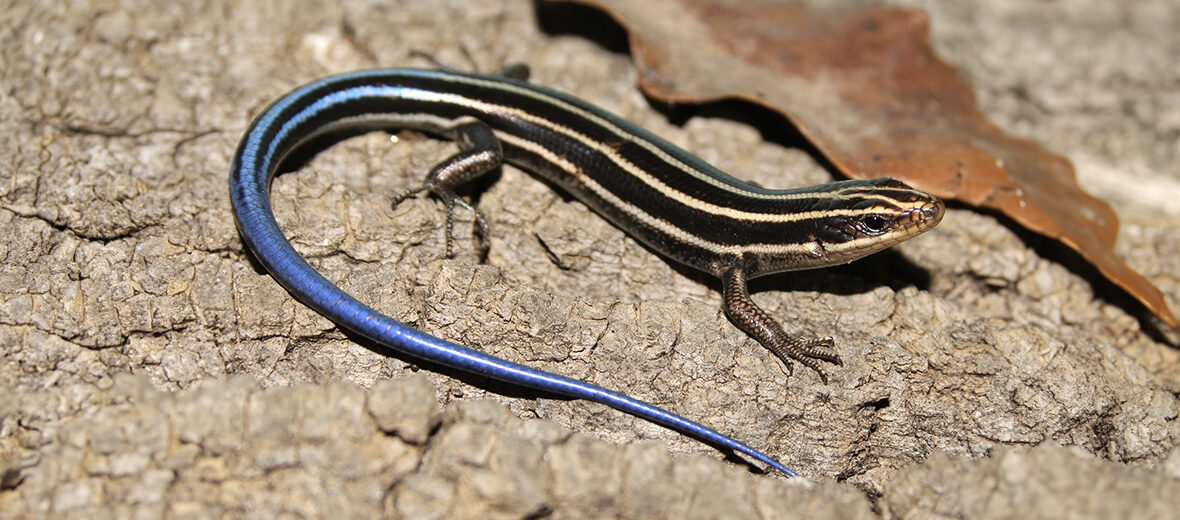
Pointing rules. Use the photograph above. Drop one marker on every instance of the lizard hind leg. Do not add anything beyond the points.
(479, 153)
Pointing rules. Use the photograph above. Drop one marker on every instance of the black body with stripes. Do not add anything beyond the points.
(663, 196)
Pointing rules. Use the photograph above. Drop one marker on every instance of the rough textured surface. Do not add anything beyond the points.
(148, 367)
(1047, 481)
(231, 448)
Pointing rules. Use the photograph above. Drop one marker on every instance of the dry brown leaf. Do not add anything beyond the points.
(864, 85)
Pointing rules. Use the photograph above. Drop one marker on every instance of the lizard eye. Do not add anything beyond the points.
(874, 224)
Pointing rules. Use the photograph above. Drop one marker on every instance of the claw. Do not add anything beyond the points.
(450, 200)
(401, 197)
